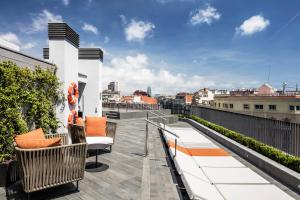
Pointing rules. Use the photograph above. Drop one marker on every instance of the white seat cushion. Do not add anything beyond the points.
(99, 142)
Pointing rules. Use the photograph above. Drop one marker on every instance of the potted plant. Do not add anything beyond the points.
(8, 163)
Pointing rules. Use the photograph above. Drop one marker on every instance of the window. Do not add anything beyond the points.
(259, 107)
(297, 107)
(272, 107)
(246, 106)
(225, 105)
(215, 104)
(292, 108)
(231, 105)
(219, 105)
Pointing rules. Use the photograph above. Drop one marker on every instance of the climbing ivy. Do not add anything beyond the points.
(27, 101)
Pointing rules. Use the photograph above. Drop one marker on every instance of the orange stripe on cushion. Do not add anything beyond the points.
(199, 151)
(208, 152)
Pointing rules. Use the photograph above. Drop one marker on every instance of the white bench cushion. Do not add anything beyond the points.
(99, 142)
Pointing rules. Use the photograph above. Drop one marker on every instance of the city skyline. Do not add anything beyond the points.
(172, 45)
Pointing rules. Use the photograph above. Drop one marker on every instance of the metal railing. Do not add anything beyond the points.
(130, 106)
(159, 116)
(159, 127)
(279, 134)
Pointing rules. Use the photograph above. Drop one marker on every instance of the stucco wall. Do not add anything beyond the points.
(92, 103)
(65, 56)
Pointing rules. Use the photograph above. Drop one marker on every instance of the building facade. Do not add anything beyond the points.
(183, 98)
(82, 66)
(203, 97)
(285, 108)
(114, 86)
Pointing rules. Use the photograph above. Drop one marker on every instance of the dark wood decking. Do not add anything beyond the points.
(129, 175)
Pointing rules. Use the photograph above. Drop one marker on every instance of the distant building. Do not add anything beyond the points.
(203, 96)
(149, 91)
(139, 97)
(242, 92)
(114, 86)
(140, 93)
(112, 94)
(266, 89)
(109, 96)
(220, 92)
(183, 98)
(280, 107)
(127, 99)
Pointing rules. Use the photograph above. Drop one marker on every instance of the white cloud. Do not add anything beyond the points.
(137, 31)
(41, 20)
(253, 25)
(66, 2)
(90, 28)
(11, 40)
(10, 37)
(207, 15)
(29, 45)
(135, 72)
(106, 39)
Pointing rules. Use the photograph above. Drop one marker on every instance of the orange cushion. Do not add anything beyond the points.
(35, 139)
(95, 126)
(37, 143)
(35, 134)
(79, 121)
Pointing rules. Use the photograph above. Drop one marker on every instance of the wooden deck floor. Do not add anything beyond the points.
(129, 175)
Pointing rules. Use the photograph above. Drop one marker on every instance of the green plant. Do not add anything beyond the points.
(277, 155)
(27, 101)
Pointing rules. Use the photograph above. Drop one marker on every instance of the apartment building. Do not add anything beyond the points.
(114, 86)
(183, 98)
(203, 96)
(280, 107)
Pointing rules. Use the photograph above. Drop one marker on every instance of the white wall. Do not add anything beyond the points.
(93, 87)
(65, 56)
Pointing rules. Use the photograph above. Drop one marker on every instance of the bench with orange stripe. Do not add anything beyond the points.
(199, 151)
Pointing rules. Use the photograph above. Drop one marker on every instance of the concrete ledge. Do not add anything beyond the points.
(285, 175)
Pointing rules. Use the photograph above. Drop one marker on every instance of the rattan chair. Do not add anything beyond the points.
(110, 130)
(52, 166)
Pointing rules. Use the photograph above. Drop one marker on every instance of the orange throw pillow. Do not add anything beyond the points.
(37, 143)
(95, 126)
(79, 121)
(35, 139)
(35, 134)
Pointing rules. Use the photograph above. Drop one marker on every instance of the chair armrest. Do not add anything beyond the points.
(110, 130)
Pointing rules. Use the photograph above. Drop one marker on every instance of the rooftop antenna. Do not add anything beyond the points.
(269, 71)
(283, 87)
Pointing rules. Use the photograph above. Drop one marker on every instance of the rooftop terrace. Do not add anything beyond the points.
(128, 174)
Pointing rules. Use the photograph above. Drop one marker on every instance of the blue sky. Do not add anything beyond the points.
(171, 45)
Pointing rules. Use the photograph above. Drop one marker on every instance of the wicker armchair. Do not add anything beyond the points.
(52, 166)
(110, 130)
